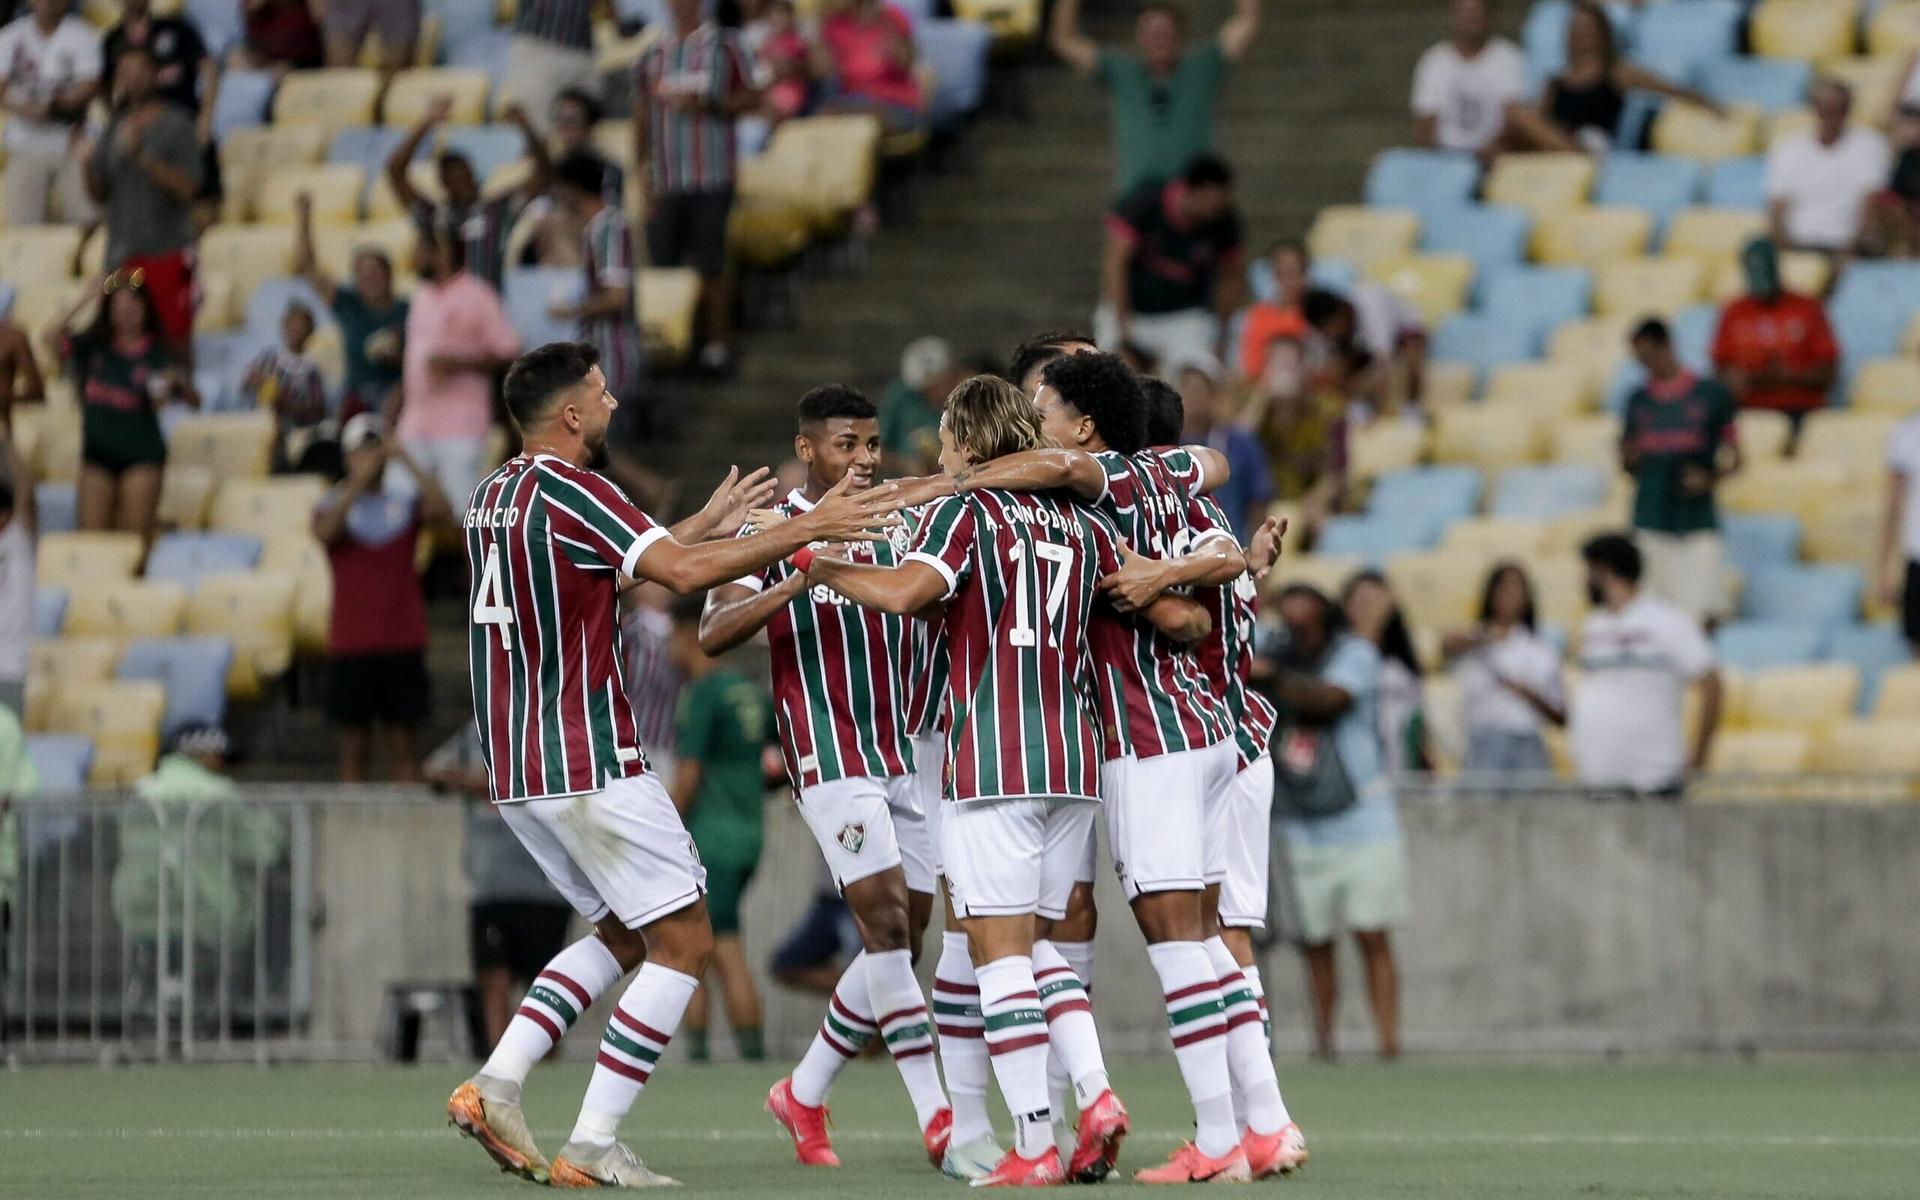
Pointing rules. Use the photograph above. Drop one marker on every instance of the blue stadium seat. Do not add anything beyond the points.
(1679, 40)
(368, 146)
(1871, 648)
(1770, 84)
(1872, 306)
(485, 48)
(268, 304)
(192, 669)
(243, 100)
(957, 51)
(1537, 299)
(487, 147)
(220, 26)
(1483, 342)
(186, 558)
(1693, 330)
(530, 292)
(1825, 595)
(918, 10)
(1757, 541)
(49, 610)
(61, 760)
(1422, 179)
(1661, 185)
(1759, 645)
(1329, 274)
(1543, 493)
(1448, 493)
(54, 506)
(463, 22)
(1373, 538)
(1492, 235)
(1738, 183)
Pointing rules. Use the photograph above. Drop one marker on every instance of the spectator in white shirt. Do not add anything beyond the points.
(1509, 678)
(1463, 86)
(49, 72)
(1638, 655)
(16, 580)
(1818, 183)
(1900, 530)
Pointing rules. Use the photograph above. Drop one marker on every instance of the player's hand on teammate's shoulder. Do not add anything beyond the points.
(844, 515)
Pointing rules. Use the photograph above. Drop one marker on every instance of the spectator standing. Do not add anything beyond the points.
(458, 338)
(282, 36)
(1249, 487)
(1637, 656)
(284, 381)
(350, 22)
(184, 73)
(1819, 183)
(17, 530)
(1581, 110)
(1774, 348)
(551, 51)
(1334, 806)
(146, 170)
(723, 724)
(910, 409)
(1677, 441)
(606, 314)
(372, 318)
(690, 88)
(556, 234)
(1163, 92)
(378, 671)
(1463, 87)
(480, 221)
(1374, 615)
(1898, 575)
(1509, 677)
(1302, 428)
(49, 74)
(1284, 315)
(867, 50)
(780, 56)
(1169, 276)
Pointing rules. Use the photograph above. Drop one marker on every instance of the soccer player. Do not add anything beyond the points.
(549, 543)
(1017, 578)
(840, 674)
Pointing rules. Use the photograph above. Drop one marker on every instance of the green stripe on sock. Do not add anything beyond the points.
(910, 1033)
(1200, 1011)
(1243, 996)
(626, 1045)
(850, 1035)
(1058, 986)
(943, 1009)
(1013, 1017)
(552, 1000)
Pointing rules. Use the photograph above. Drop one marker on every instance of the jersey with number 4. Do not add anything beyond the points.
(1154, 698)
(1023, 574)
(1226, 653)
(547, 544)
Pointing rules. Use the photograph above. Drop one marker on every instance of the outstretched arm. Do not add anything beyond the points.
(726, 510)
(1142, 580)
(839, 517)
(1237, 34)
(1067, 40)
(402, 156)
(735, 613)
(903, 590)
(1025, 471)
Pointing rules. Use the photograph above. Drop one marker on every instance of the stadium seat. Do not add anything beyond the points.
(1446, 493)
(255, 611)
(267, 508)
(1549, 387)
(1809, 697)
(1482, 342)
(1492, 235)
(335, 190)
(55, 508)
(1893, 28)
(667, 299)
(1899, 694)
(1689, 131)
(1803, 271)
(414, 90)
(184, 494)
(369, 146)
(1537, 300)
(1545, 492)
(1814, 30)
(1763, 436)
(1871, 307)
(1874, 649)
(489, 148)
(1327, 572)
(186, 558)
(333, 97)
(248, 255)
(1760, 752)
(1681, 40)
(1361, 235)
(242, 102)
(251, 156)
(1495, 538)
(84, 659)
(1589, 441)
(1639, 287)
(38, 254)
(1843, 528)
(1713, 234)
(1659, 185)
(1593, 346)
(1446, 384)
(61, 760)
(1811, 595)
(1488, 436)
(1851, 437)
(1763, 645)
(79, 560)
(335, 245)
(1543, 35)
(1766, 84)
(1560, 592)
(1434, 284)
(1886, 385)
(1760, 541)
(529, 295)
(305, 560)
(1540, 183)
(1877, 81)
(1372, 538)
(124, 609)
(1383, 446)
(233, 446)
(122, 719)
(1868, 748)
(1439, 589)
(194, 672)
(1421, 180)
(49, 610)
(956, 52)
(1738, 183)
(1585, 236)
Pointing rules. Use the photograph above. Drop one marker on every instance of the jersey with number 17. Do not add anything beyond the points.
(547, 544)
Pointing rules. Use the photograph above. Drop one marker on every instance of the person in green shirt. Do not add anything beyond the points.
(1163, 92)
(719, 786)
(1677, 441)
(910, 409)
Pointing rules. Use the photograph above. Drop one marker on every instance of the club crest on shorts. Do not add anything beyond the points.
(852, 837)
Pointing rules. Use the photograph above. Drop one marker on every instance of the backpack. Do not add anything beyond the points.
(1309, 780)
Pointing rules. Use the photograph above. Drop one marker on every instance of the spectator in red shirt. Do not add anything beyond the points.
(1774, 348)
(869, 48)
(281, 36)
(378, 644)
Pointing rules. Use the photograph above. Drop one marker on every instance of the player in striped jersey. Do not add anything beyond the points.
(550, 543)
(840, 673)
(1016, 577)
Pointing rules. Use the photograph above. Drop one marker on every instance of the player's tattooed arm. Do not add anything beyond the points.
(1141, 580)
(1179, 618)
(736, 613)
(727, 509)
(907, 589)
(1039, 471)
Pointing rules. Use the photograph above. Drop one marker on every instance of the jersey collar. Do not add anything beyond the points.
(798, 498)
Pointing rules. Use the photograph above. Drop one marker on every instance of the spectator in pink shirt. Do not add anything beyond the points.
(458, 339)
(869, 45)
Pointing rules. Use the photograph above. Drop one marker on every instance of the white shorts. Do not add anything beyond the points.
(1243, 894)
(866, 825)
(930, 769)
(1157, 812)
(620, 850)
(1006, 858)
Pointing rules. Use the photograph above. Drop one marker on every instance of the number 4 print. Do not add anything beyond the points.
(490, 605)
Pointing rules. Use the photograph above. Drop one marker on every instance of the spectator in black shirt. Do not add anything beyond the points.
(1170, 273)
(183, 71)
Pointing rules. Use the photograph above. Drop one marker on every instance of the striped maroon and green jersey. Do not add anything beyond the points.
(1023, 574)
(1154, 699)
(694, 149)
(927, 687)
(547, 543)
(1226, 654)
(840, 674)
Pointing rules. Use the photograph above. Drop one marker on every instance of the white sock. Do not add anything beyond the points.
(1197, 1020)
(568, 987)
(1070, 1029)
(903, 1023)
(1249, 1064)
(1252, 974)
(1017, 1040)
(844, 1032)
(1079, 956)
(637, 1035)
(963, 1041)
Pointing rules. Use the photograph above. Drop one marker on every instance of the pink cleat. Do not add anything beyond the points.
(1272, 1154)
(1102, 1126)
(936, 1135)
(1188, 1165)
(1042, 1170)
(807, 1125)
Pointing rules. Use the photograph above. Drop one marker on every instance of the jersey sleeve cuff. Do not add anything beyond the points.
(630, 565)
(938, 564)
(1214, 535)
(752, 583)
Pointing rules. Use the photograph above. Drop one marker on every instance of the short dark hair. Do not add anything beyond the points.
(1207, 170)
(448, 158)
(1654, 330)
(835, 400)
(1614, 552)
(1332, 618)
(539, 375)
(1166, 411)
(1319, 306)
(1040, 349)
(1105, 389)
(583, 98)
(582, 170)
(1166, 8)
(1396, 642)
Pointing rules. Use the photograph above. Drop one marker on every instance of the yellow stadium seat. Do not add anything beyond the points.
(184, 494)
(1855, 438)
(766, 234)
(1013, 23)
(1869, 747)
(1693, 132)
(335, 245)
(1588, 236)
(1887, 385)
(1808, 697)
(251, 155)
(1590, 441)
(267, 508)
(1716, 234)
(1566, 533)
(1638, 287)
(1802, 271)
(1438, 589)
(1382, 446)
(1899, 696)
(253, 609)
(1763, 434)
(1361, 235)
(334, 187)
(384, 205)
(74, 659)
(1434, 284)
(614, 52)
(76, 561)
(1446, 385)
(831, 160)
(334, 98)
(305, 560)
(39, 253)
(1894, 29)
(1548, 387)
(1910, 340)
(236, 445)
(54, 455)
(1794, 486)
(1876, 81)
(1560, 590)
(1845, 528)
(1495, 538)
(221, 307)
(124, 609)
(1328, 572)
(1540, 183)
(249, 255)
(667, 298)
(123, 720)
(1760, 752)
(1488, 436)
(1814, 30)
(1594, 346)
(414, 90)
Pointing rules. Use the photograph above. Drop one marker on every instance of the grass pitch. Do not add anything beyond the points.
(1700, 1131)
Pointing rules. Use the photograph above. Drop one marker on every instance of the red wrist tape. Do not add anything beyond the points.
(802, 559)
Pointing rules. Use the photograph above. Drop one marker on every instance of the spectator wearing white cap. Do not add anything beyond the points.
(910, 409)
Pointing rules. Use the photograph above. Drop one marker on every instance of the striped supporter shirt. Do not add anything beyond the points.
(565, 23)
(693, 151)
(607, 243)
(546, 544)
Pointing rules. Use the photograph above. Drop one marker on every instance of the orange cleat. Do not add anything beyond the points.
(500, 1129)
(1188, 1165)
(1272, 1154)
(1042, 1170)
(806, 1125)
(936, 1136)
(1102, 1125)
